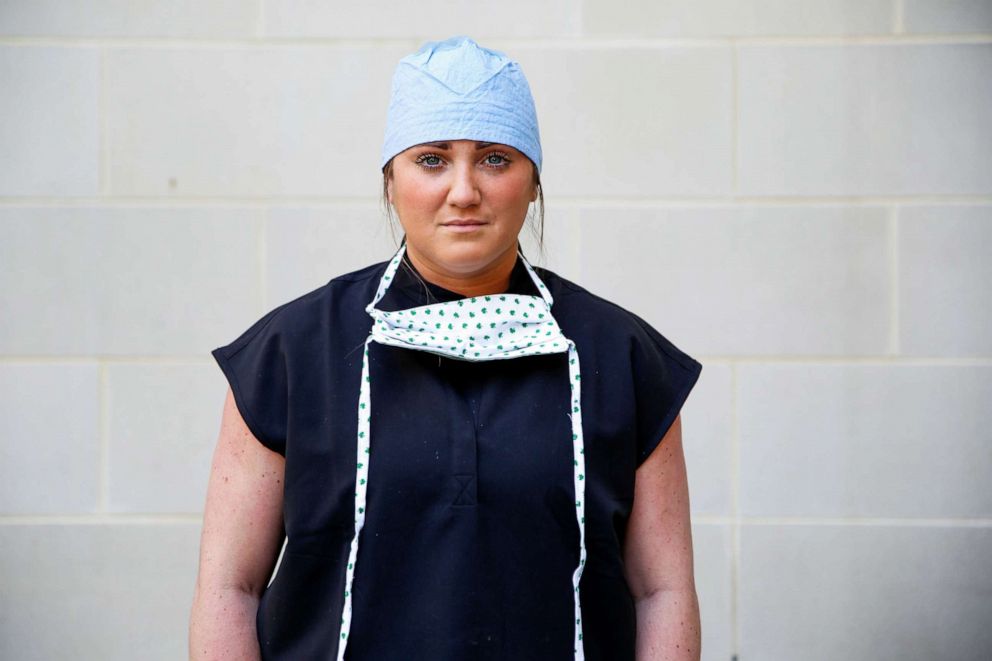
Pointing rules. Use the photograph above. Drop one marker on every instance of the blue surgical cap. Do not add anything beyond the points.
(457, 90)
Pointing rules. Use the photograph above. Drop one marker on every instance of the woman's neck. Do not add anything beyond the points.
(493, 279)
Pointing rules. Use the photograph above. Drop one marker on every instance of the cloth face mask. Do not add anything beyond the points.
(480, 328)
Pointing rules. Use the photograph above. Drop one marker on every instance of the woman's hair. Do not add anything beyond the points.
(537, 227)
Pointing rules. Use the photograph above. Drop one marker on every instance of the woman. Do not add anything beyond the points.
(469, 458)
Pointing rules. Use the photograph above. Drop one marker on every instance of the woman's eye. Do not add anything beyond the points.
(429, 160)
(496, 159)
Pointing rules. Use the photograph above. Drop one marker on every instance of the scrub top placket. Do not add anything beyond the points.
(481, 328)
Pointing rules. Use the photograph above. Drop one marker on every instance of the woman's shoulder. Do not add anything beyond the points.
(336, 303)
(600, 321)
(599, 313)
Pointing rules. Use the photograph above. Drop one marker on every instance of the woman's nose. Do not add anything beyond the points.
(464, 191)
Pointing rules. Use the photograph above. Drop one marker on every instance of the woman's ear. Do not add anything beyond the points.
(389, 191)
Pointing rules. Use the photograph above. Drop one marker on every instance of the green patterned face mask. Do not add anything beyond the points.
(493, 327)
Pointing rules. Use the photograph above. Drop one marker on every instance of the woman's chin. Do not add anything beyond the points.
(473, 256)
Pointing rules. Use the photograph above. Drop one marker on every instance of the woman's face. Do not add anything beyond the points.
(461, 203)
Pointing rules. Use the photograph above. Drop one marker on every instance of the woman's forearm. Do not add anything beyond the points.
(668, 626)
(222, 625)
(239, 544)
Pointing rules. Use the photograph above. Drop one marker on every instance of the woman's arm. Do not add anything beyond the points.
(241, 538)
(658, 556)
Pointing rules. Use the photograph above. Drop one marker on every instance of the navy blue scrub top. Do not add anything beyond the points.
(470, 538)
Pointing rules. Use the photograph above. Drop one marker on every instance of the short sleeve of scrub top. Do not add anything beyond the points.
(255, 368)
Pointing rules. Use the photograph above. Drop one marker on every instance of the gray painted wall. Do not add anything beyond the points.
(796, 192)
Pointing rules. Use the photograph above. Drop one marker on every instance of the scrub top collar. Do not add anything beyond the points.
(409, 285)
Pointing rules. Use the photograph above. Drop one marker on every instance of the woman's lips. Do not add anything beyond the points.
(469, 225)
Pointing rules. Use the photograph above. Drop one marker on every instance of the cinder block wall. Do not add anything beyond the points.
(796, 192)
